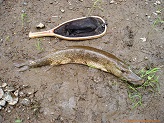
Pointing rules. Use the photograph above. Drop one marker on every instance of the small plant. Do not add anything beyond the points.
(96, 4)
(39, 45)
(158, 21)
(7, 38)
(23, 17)
(18, 121)
(151, 83)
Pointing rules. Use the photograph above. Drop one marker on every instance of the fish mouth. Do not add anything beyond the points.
(133, 78)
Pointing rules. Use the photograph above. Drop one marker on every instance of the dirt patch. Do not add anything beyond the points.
(77, 93)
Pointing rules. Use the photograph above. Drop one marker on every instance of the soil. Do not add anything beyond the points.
(77, 93)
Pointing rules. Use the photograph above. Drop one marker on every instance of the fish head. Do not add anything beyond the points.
(125, 73)
(131, 77)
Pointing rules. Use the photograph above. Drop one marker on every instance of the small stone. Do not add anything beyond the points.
(9, 111)
(10, 98)
(2, 102)
(158, 12)
(25, 102)
(9, 88)
(1, 93)
(21, 94)
(112, 1)
(158, 2)
(51, 2)
(14, 101)
(4, 85)
(25, 3)
(134, 59)
(40, 26)
(155, 13)
(97, 79)
(146, 58)
(23, 11)
(70, 7)
(16, 93)
(143, 39)
(62, 10)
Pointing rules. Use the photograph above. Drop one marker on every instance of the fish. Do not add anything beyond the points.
(89, 56)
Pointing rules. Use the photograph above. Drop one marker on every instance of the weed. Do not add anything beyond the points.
(135, 93)
(23, 17)
(7, 38)
(96, 4)
(18, 121)
(158, 21)
(38, 45)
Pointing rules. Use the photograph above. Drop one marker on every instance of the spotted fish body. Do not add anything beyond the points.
(88, 56)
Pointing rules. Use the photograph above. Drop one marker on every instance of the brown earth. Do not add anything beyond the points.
(77, 93)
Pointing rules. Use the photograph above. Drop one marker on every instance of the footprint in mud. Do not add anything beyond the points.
(129, 37)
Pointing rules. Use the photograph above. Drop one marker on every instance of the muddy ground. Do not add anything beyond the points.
(77, 93)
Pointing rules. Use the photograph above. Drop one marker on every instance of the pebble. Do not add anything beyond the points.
(97, 79)
(155, 13)
(143, 39)
(2, 102)
(9, 89)
(51, 2)
(16, 93)
(40, 26)
(158, 2)
(134, 59)
(146, 58)
(25, 3)
(23, 11)
(158, 12)
(62, 10)
(1, 93)
(112, 1)
(10, 98)
(25, 102)
(4, 85)
(21, 94)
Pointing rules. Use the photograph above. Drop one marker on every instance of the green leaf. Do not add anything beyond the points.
(18, 121)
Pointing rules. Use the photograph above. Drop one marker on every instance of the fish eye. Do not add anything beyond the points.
(123, 71)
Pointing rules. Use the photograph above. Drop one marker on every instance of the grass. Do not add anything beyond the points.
(7, 38)
(18, 121)
(151, 84)
(38, 45)
(96, 4)
(23, 18)
(158, 20)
